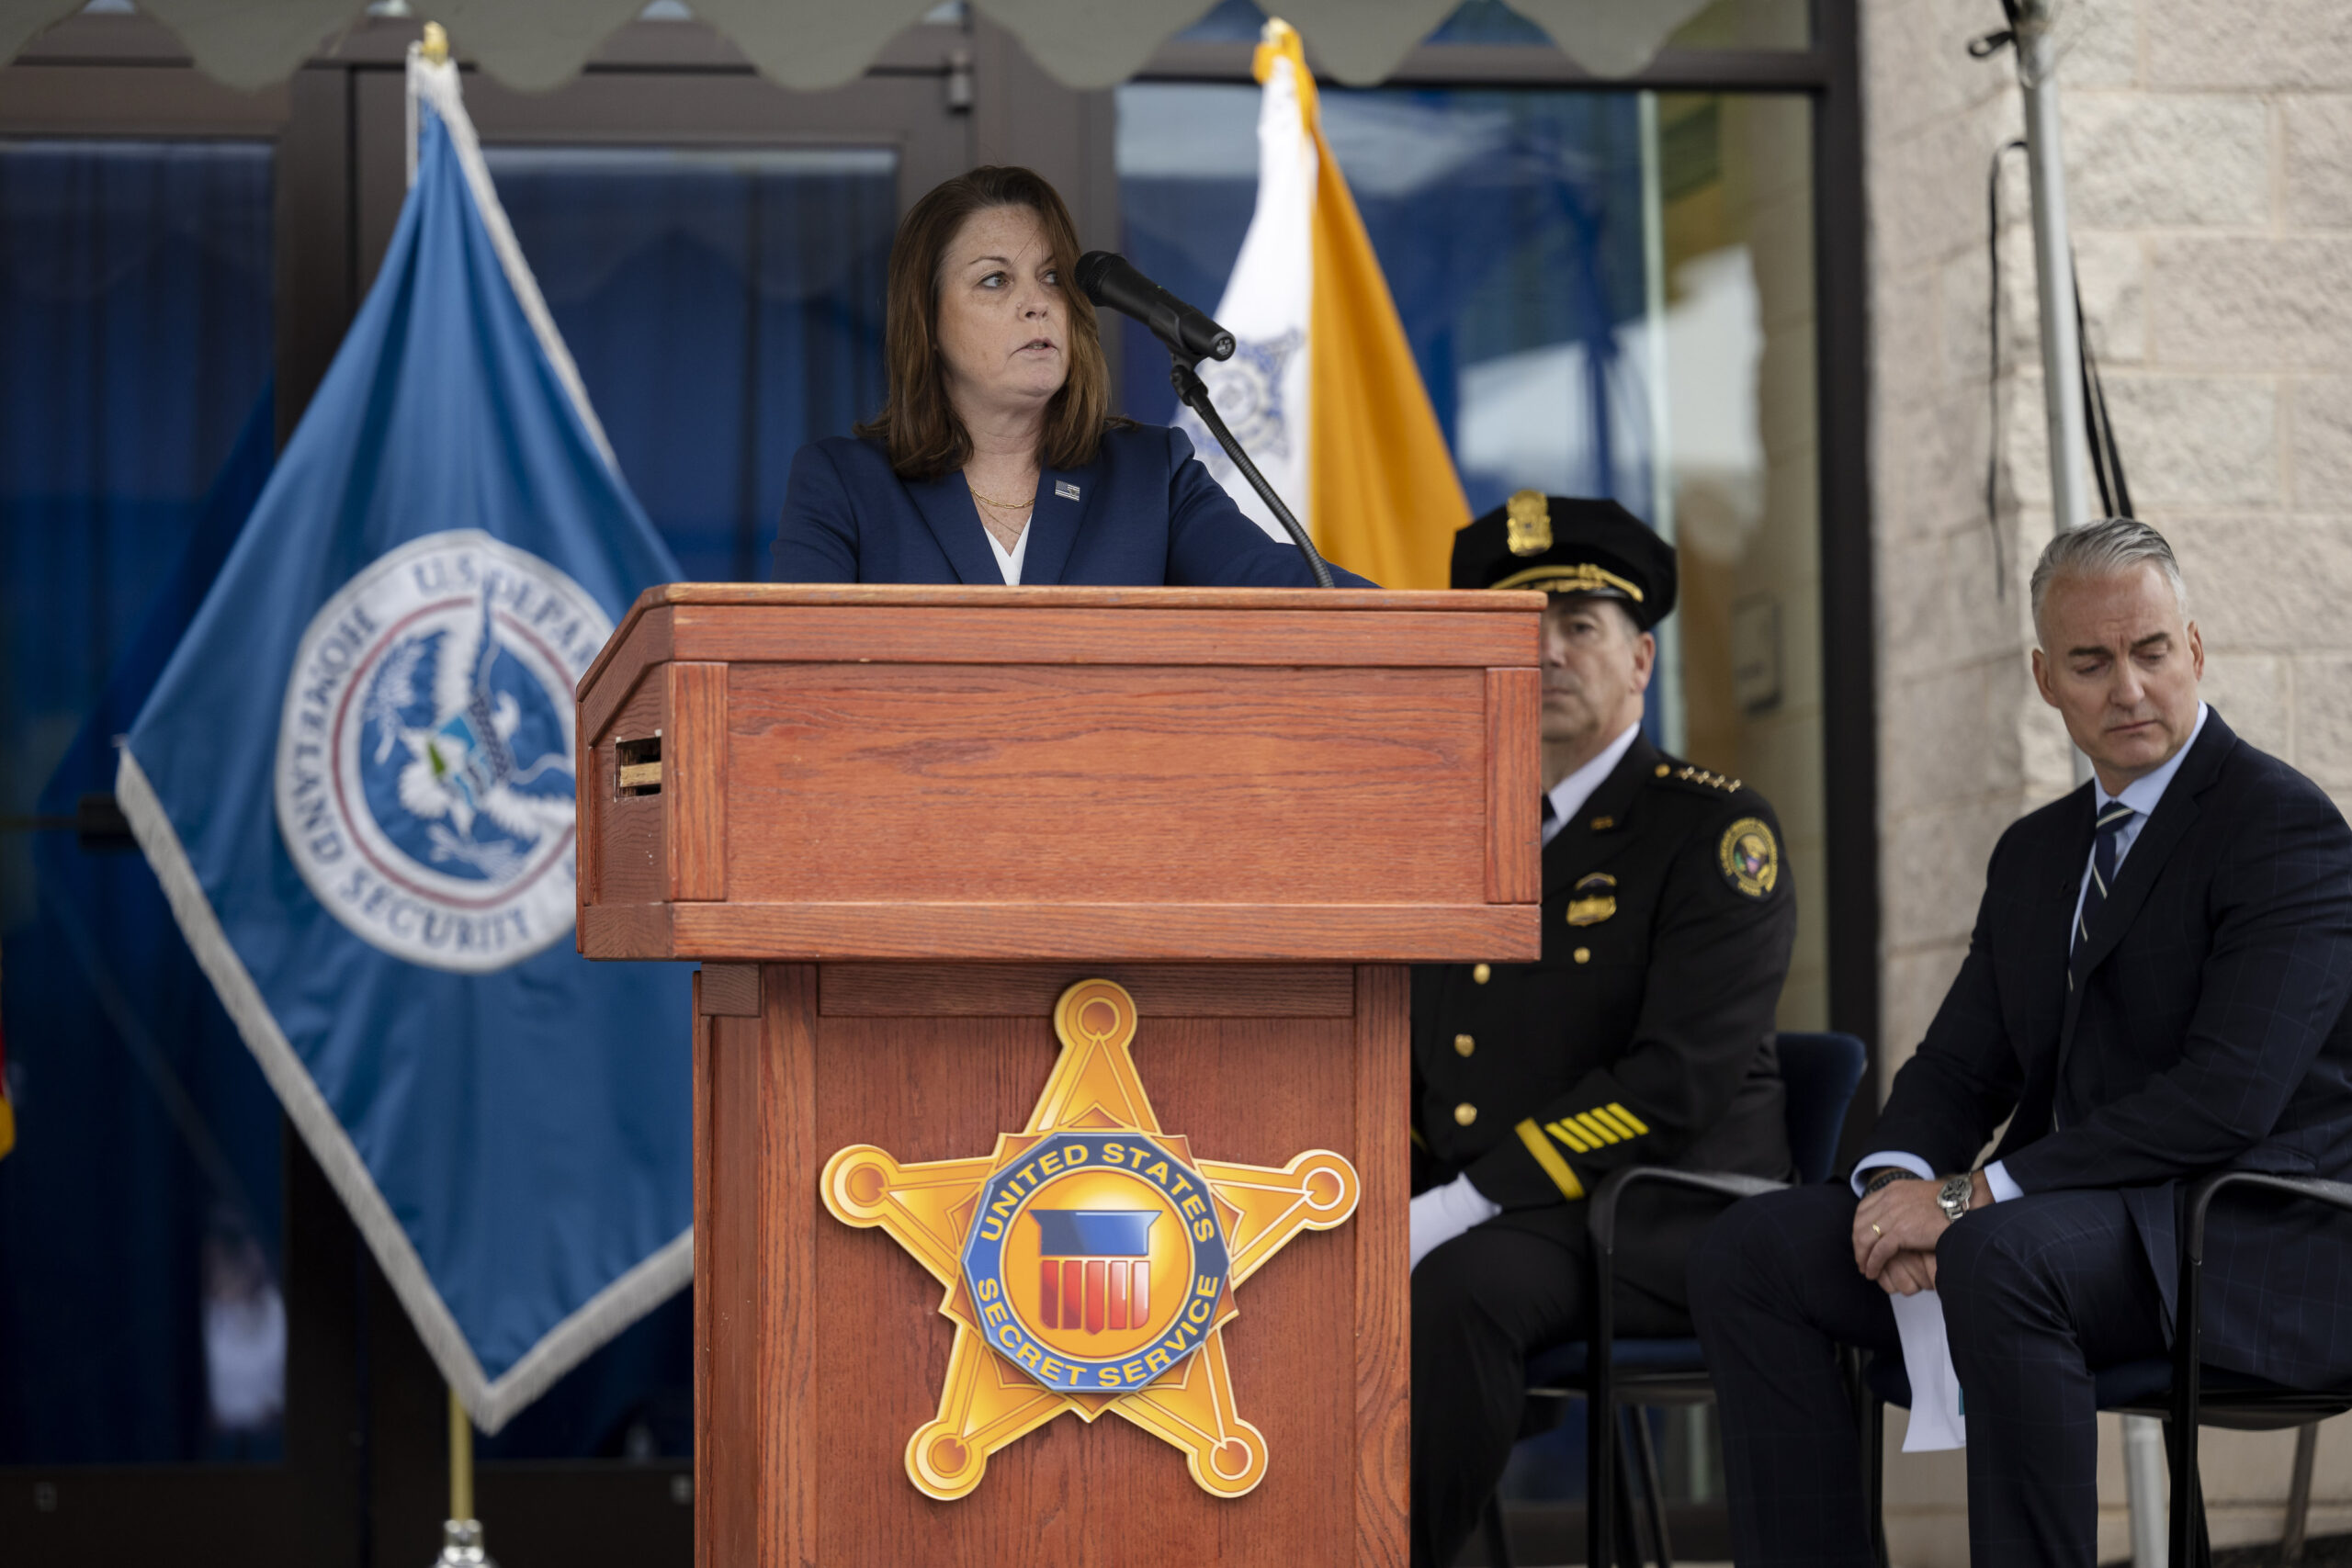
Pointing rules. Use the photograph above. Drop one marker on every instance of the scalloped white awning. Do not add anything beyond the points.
(539, 44)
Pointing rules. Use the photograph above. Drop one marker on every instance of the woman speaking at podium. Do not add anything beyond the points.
(996, 458)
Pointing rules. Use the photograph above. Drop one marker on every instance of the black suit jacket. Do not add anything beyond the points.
(1643, 1036)
(2205, 1028)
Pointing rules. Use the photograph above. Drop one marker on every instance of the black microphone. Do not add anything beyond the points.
(1112, 281)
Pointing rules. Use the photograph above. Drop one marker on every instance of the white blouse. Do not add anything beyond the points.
(1009, 561)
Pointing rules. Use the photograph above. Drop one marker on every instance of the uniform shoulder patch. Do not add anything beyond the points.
(1751, 857)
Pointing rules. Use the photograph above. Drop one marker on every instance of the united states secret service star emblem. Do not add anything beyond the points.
(1090, 1262)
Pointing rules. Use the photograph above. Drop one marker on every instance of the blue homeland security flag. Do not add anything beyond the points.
(354, 779)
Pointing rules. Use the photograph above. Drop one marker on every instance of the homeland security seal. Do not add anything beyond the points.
(424, 757)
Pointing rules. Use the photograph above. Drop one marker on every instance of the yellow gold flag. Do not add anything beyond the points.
(1322, 389)
(1385, 500)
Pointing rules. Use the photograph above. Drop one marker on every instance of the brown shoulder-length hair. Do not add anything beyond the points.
(918, 426)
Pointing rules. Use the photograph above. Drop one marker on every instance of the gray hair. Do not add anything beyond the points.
(2105, 548)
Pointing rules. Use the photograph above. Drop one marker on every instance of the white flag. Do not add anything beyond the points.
(1261, 390)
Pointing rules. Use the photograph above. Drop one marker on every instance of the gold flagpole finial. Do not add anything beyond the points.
(435, 47)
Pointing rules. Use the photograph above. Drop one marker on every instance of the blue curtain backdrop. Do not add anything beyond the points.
(1507, 223)
(135, 429)
(724, 307)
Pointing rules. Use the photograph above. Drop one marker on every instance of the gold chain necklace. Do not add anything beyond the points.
(992, 501)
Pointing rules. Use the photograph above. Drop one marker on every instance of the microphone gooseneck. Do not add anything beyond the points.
(1194, 395)
(1113, 283)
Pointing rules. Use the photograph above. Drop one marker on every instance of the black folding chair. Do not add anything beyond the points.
(1820, 1073)
(2179, 1390)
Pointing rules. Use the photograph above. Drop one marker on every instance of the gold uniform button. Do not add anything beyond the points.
(1464, 1114)
(1582, 955)
(1482, 973)
(1464, 1044)
(1663, 770)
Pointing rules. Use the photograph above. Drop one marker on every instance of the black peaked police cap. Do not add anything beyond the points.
(1559, 544)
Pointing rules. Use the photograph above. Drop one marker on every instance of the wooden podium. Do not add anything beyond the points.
(894, 823)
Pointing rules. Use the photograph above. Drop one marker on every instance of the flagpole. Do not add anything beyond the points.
(432, 47)
(461, 1460)
(461, 1532)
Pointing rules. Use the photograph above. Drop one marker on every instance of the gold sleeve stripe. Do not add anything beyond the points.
(1633, 1120)
(1617, 1118)
(1424, 1143)
(1549, 1159)
(1596, 1128)
(1567, 1133)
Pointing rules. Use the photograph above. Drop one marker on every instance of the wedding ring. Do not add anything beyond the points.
(1876, 1231)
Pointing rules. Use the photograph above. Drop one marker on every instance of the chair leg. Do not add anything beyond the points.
(1874, 1438)
(1870, 1424)
(1602, 1465)
(1628, 1525)
(2192, 1545)
(1653, 1492)
(2204, 1528)
(2298, 1495)
(1492, 1524)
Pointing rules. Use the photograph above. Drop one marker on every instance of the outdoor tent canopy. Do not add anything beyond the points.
(1087, 44)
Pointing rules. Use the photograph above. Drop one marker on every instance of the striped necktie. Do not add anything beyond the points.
(2103, 861)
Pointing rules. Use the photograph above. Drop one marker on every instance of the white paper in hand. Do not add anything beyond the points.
(1936, 1421)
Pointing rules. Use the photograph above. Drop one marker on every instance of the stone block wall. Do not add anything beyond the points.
(2208, 157)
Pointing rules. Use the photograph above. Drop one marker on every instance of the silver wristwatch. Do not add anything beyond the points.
(1952, 1196)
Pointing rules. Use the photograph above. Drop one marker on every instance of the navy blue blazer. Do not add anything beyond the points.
(2206, 1029)
(1144, 513)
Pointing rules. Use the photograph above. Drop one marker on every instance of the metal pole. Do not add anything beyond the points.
(2054, 255)
(2070, 505)
(2144, 1480)
(1673, 722)
(461, 1532)
(2298, 1495)
(461, 1460)
(2061, 343)
(433, 47)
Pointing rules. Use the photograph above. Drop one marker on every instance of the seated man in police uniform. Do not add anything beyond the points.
(1642, 1036)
